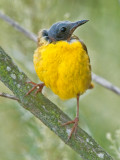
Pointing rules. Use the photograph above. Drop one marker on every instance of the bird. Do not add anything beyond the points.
(62, 63)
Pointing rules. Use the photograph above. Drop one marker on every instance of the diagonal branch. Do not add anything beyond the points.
(101, 81)
(47, 112)
(30, 35)
(8, 96)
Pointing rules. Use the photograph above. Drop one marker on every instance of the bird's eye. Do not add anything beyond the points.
(63, 29)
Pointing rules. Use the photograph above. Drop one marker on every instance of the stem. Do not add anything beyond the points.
(30, 35)
(103, 82)
(8, 96)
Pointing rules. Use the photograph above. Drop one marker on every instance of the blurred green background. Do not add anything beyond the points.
(22, 136)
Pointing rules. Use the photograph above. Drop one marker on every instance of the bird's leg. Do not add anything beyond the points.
(75, 121)
(35, 85)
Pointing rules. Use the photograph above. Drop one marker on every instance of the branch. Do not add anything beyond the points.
(47, 112)
(8, 96)
(101, 81)
(30, 35)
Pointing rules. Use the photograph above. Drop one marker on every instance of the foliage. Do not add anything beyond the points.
(115, 143)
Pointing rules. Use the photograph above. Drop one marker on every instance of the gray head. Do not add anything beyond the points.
(62, 30)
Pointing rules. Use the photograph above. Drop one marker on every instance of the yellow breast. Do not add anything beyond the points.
(64, 67)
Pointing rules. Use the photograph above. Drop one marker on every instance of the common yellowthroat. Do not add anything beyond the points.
(62, 63)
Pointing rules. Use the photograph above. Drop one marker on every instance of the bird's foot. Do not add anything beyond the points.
(74, 128)
(35, 85)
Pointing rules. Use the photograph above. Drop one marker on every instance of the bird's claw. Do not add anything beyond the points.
(35, 85)
(74, 128)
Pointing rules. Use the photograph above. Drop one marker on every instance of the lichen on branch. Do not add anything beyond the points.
(47, 112)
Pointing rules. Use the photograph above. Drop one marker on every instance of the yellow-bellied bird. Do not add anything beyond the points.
(62, 63)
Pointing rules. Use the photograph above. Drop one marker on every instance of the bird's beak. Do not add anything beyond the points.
(76, 24)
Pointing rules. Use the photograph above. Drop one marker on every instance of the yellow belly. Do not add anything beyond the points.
(64, 67)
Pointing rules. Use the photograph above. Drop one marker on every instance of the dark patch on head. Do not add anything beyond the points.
(45, 35)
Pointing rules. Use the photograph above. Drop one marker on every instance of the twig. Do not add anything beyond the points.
(30, 35)
(48, 112)
(101, 81)
(8, 96)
